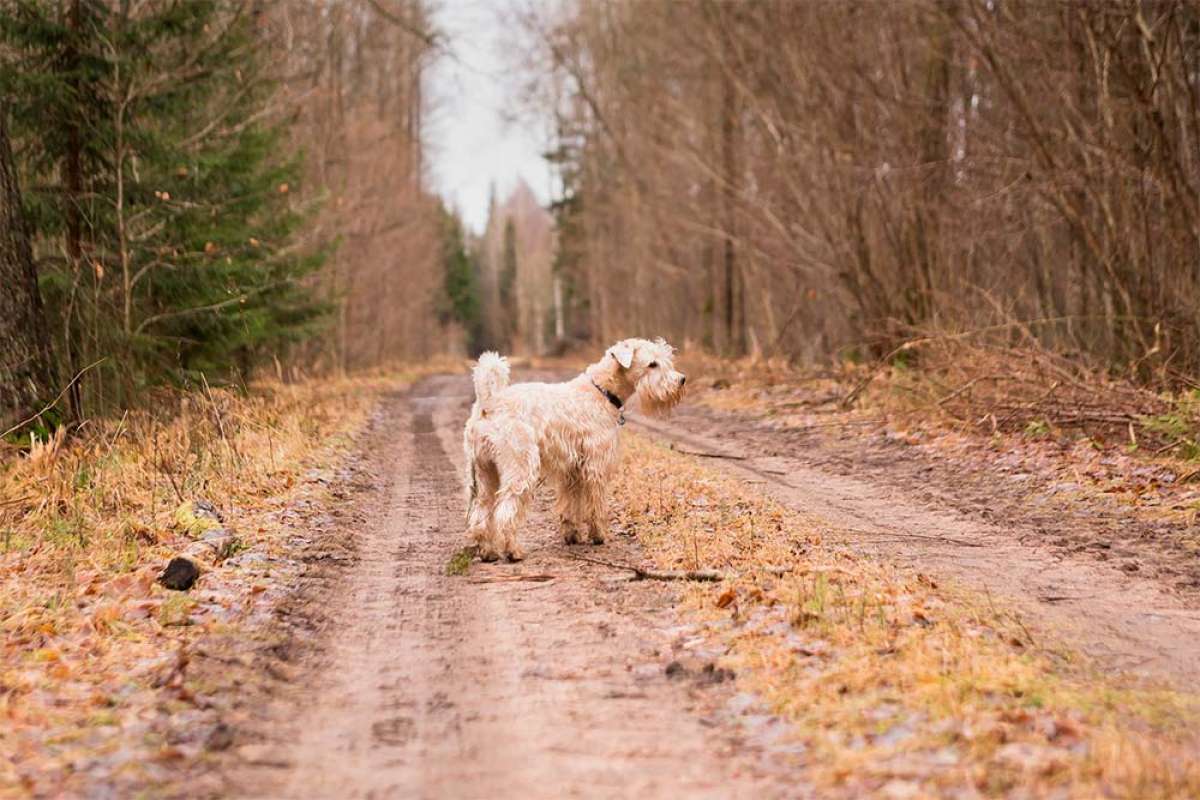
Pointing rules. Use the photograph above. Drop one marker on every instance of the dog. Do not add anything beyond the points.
(563, 433)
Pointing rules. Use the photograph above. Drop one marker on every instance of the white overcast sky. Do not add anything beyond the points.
(472, 140)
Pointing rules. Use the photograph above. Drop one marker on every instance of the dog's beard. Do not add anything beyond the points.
(658, 396)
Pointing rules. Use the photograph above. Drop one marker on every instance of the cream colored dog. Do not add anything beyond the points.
(564, 432)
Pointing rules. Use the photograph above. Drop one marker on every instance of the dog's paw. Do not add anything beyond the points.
(572, 536)
(488, 554)
(596, 537)
(515, 554)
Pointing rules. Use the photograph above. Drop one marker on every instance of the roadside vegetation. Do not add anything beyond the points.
(93, 647)
(897, 683)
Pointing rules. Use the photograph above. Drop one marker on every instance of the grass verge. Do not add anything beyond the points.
(91, 647)
(897, 686)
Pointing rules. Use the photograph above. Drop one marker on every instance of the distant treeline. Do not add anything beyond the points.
(820, 178)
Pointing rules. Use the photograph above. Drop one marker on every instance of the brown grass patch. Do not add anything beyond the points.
(89, 640)
(891, 679)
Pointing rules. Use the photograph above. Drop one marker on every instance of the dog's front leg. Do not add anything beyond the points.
(570, 506)
(593, 487)
(595, 502)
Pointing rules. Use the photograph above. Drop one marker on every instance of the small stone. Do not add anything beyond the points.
(180, 574)
(203, 508)
(219, 738)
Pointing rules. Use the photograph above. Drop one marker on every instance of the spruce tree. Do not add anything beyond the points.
(461, 284)
(165, 210)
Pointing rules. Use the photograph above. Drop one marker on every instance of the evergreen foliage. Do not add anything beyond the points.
(160, 195)
(461, 284)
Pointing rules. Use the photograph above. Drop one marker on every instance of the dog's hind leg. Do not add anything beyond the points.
(518, 464)
(480, 527)
(510, 513)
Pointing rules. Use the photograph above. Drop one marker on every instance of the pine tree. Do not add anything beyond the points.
(161, 183)
(461, 284)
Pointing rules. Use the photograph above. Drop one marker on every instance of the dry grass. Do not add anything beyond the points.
(979, 388)
(898, 685)
(86, 524)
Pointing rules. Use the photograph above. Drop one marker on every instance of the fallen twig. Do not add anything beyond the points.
(53, 402)
(966, 386)
(641, 573)
(709, 455)
(541, 578)
(1058, 598)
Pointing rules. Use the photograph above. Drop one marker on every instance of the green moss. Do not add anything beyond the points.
(190, 523)
(460, 562)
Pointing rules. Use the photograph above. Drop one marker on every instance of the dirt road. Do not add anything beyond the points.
(539, 680)
(550, 678)
(897, 509)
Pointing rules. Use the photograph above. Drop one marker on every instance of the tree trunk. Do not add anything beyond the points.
(24, 348)
(733, 300)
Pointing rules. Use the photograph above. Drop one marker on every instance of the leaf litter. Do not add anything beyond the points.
(95, 681)
(896, 684)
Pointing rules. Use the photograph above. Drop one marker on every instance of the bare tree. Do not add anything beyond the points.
(822, 179)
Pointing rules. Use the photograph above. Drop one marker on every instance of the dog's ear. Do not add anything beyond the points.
(623, 353)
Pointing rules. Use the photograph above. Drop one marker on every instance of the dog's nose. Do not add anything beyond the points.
(682, 380)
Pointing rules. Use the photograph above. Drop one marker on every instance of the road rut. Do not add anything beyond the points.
(499, 683)
(1120, 621)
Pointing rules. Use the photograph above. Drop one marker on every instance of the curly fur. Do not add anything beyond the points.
(564, 433)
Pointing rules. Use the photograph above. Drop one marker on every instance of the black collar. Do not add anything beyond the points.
(612, 398)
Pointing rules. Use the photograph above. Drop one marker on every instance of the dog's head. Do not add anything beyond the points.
(647, 369)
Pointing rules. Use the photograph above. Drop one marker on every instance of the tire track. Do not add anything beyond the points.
(1120, 621)
(432, 686)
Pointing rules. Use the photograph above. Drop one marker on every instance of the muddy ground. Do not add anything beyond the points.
(382, 676)
(550, 678)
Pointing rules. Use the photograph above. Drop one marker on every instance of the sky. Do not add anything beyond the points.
(471, 141)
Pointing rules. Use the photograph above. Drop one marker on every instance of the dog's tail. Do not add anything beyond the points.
(490, 375)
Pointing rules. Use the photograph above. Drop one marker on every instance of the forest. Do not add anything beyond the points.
(203, 186)
(923, 522)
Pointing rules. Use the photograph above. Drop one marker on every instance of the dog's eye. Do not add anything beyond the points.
(653, 365)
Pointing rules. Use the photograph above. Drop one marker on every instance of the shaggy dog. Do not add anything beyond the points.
(565, 433)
